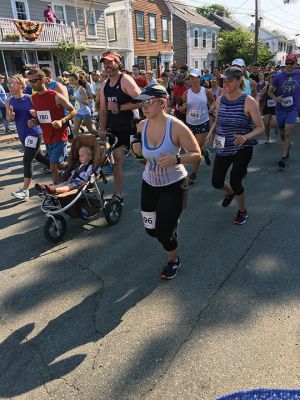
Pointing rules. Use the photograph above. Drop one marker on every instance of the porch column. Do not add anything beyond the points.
(4, 63)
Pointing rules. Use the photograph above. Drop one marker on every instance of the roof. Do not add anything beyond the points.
(190, 15)
(230, 21)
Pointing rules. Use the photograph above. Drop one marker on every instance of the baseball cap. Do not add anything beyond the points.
(195, 72)
(233, 73)
(152, 91)
(291, 57)
(110, 57)
(239, 61)
(66, 73)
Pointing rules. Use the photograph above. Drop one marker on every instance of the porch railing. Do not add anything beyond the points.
(51, 34)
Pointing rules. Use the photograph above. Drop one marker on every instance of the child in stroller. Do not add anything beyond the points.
(77, 193)
(78, 176)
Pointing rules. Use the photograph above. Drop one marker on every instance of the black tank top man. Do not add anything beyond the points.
(120, 123)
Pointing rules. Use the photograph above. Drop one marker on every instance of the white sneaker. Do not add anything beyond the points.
(22, 194)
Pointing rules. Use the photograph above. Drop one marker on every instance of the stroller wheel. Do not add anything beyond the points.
(55, 232)
(112, 211)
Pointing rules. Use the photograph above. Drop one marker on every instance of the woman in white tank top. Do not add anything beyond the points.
(164, 185)
(196, 103)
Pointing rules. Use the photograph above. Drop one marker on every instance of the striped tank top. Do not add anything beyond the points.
(232, 121)
(154, 174)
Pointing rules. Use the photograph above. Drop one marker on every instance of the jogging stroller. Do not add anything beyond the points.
(88, 201)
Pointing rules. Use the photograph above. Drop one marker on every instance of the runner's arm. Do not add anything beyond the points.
(252, 110)
(212, 131)
(272, 95)
(61, 89)
(102, 110)
(64, 103)
(131, 88)
(182, 107)
(9, 111)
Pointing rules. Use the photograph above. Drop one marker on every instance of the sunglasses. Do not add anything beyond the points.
(289, 63)
(148, 103)
(11, 84)
(34, 80)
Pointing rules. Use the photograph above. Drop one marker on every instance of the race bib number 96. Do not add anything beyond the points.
(219, 142)
(287, 101)
(149, 219)
(44, 117)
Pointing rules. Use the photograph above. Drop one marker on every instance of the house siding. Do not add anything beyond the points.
(200, 53)
(147, 48)
(180, 40)
(6, 9)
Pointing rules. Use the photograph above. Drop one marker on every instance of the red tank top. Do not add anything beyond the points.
(47, 112)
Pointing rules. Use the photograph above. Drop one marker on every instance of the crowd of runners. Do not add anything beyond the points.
(168, 122)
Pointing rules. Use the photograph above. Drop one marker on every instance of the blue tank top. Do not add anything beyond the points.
(232, 121)
(21, 109)
(81, 108)
(154, 174)
(51, 85)
(247, 89)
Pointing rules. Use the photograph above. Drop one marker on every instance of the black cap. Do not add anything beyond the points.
(233, 73)
(152, 91)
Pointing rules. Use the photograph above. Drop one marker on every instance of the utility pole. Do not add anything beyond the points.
(256, 33)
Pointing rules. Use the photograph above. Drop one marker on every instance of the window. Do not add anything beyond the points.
(140, 25)
(21, 10)
(153, 64)
(204, 38)
(204, 64)
(165, 31)
(196, 64)
(196, 38)
(91, 23)
(111, 27)
(213, 40)
(152, 27)
(142, 63)
(60, 12)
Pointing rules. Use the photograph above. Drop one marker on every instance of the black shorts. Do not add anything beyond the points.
(199, 129)
(268, 111)
(123, 137)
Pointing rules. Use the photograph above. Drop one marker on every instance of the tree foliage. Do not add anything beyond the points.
(240, 44)
(68, 55)
(218, 9)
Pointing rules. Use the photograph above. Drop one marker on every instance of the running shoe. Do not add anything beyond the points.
(170, 270)
(22, 194)
(227, 200)
(241, 217)
(206, 156)
(192, 178)
(282, 163)
(268, 141)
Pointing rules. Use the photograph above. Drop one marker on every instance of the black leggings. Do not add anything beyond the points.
(240, 162)
(167, 202)
(31, 153)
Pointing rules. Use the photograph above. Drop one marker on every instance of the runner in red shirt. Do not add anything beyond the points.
(139, 80)
(48, 111)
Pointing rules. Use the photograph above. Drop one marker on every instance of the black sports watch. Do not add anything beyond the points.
(178, 159)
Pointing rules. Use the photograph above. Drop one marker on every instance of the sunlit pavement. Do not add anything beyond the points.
(90, 319)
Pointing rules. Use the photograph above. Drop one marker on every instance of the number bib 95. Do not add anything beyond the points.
(149, 218)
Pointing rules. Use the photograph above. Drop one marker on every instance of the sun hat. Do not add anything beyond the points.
(233, 73)
(195, 72)
(239, 61)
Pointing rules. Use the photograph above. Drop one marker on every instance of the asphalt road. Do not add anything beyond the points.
(90, 319)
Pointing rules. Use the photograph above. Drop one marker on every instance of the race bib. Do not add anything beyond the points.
(149, 219)
(44, 117)
(271, 103)
(287, 101)
(31, 141)
(219, 142)
(194, 114)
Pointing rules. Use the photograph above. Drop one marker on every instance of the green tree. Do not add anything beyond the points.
(68, 55)
(240, 44)
(218, 9)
